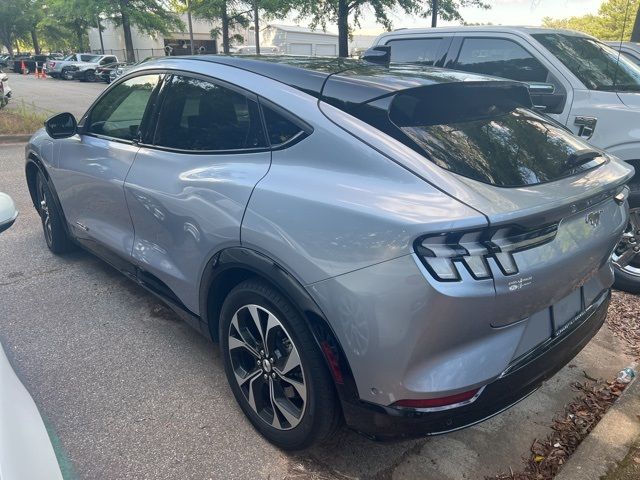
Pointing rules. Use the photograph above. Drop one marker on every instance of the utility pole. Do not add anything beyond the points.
(100, 34)
(190, 27)
(256, 25)
(434, 13)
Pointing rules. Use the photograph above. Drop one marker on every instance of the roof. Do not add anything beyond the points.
(298, 29)
(339, 80)
(483, 28)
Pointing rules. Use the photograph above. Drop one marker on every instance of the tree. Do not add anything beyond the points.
(14, 24)
(230, 13)
(615, 20)
(342, 12)
(148, 16)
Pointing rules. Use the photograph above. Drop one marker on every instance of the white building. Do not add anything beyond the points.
(294, 40)
(145, 45)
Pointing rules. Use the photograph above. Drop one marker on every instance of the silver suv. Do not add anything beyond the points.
(411, 249)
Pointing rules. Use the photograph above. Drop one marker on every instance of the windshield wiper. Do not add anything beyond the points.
(582, 157)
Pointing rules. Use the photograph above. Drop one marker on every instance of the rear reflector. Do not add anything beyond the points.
(437, 402)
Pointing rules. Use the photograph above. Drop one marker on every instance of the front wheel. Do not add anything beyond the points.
(276, 372)
(55, 234)
(90, 76)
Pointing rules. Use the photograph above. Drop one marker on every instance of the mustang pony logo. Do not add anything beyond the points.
(593, 218)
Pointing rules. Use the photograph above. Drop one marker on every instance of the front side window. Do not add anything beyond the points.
(595, 64)
(201, 115)
(500, 58)
(415, 50)
(119, 113)
(89, 58)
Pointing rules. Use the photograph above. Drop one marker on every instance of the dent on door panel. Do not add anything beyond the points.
(184, 208)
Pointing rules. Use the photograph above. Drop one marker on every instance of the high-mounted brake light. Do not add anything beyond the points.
(442, 253)
(450, 400)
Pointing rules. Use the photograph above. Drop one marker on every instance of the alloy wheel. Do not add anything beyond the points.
(267, 367)
(626, 255)
(44, 213)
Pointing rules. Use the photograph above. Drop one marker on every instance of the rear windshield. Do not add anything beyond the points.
(489, 138)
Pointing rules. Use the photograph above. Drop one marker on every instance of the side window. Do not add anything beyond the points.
(279, 128)
(501, 58)
(119, 113)
(200, 115)
(635, 59)
(421, 50)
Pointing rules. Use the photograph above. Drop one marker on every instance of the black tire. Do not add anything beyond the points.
(90, 76)
(319, 414)
(52, 220)
(624, 279)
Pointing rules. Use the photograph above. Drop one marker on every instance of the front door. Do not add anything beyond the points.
(92, 166)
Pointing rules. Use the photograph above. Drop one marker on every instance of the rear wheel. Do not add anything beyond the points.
(275, 370)
(90, 76)
(52, 221)
(626, 257)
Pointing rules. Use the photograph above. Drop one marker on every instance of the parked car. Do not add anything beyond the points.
(574, 78)
(86, 71)
(8, 212)
(4, 61)
(104, 72)
(251, 50)
(630, 50)
(5, 90)
(55, 67)
(30, 63)
(121, 70)
(413, 249)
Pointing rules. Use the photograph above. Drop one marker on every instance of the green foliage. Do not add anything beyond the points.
(608, 24)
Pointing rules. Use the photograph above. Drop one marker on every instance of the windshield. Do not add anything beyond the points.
(89, 58)
(593, 62)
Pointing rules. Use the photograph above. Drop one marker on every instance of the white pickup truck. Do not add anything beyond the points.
(56, 68)
(574, 78)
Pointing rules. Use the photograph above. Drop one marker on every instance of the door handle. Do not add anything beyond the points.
(586, 126)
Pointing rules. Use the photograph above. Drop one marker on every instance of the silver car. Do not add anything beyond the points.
(412, 250)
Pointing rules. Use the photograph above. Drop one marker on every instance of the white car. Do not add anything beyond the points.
(57, 68)
(631, 50)
(5, 89)
(574, 78)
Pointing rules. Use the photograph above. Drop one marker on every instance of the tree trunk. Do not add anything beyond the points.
(100, 34)
(343, 28)
(34, 40)
(225, 28)
(190, 27)
(635, 33)
(256, 25)
(126, 29)
(434, 13)
(79, 33)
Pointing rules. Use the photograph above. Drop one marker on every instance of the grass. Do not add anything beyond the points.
(21, 118)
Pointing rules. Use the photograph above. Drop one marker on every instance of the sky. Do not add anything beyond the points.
(503, 12)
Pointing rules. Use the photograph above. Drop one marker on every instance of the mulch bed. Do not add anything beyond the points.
(585, 411)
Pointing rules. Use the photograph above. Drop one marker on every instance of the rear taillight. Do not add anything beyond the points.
(443, 254)
(450, 401)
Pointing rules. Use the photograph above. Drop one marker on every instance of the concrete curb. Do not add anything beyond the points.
(609, 442)
(23, 138)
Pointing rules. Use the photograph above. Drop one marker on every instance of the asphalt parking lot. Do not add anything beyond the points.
(129, 391)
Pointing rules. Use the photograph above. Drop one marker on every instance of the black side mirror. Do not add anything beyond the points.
(63, 125)
(380, 55)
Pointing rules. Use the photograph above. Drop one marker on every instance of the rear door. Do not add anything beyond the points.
(192, 178)
(92, 166)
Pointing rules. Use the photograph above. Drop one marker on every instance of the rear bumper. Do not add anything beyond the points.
(520, 379)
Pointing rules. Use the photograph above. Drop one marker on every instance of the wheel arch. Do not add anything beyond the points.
(235, 264)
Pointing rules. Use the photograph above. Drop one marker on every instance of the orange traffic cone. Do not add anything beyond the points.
(23, 68)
